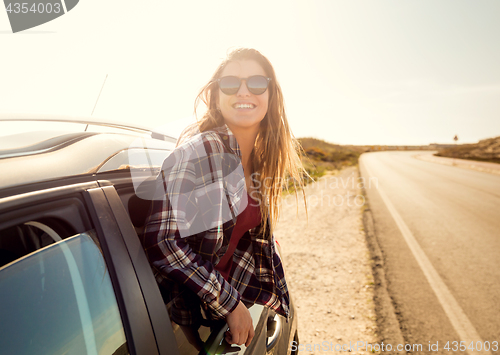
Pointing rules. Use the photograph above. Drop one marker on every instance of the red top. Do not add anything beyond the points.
(246, 220)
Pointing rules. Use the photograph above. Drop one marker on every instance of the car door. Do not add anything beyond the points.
(67, 282)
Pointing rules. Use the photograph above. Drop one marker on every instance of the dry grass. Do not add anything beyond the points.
(485, 150)
(321, 157)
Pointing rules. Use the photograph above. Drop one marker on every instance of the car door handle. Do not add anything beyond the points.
(216, 342)
(273, 331)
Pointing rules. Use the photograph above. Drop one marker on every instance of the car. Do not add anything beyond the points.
(74, 278)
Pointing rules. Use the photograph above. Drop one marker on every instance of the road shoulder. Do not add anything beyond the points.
(328, 265)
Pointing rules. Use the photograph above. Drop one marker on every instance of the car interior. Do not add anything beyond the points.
(33, 232)
(20, 240)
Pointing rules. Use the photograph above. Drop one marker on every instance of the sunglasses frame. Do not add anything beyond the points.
(246, 83)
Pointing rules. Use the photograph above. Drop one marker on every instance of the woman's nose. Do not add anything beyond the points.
(243, 90)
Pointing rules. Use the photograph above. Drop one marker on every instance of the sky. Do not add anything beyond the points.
(352, 72)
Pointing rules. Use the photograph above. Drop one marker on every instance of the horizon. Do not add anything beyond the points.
(173, 128)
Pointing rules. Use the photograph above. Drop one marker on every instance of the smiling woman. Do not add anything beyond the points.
(271, 144)
(211, 231)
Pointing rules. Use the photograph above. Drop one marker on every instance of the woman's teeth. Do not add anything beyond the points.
(244, 106)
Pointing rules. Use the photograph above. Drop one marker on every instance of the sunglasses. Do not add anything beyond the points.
(256, 84)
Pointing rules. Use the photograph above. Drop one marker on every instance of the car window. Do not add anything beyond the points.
(135, 158)
(138, 210)
(57, 299)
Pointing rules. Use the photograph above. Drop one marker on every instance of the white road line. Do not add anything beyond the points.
(456, 315)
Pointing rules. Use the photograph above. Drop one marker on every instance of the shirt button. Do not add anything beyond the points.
(225, 138)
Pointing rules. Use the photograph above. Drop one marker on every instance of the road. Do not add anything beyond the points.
(438, 227)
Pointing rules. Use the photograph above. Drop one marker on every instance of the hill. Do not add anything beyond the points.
(331, 156)
(484, 150)
(321, 156)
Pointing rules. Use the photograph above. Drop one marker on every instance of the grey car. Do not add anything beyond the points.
(74, 278)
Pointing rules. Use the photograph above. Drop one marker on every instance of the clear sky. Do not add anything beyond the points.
(352, 72)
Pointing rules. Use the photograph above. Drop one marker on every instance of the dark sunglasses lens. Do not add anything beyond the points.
(229, 85)
(257, 84)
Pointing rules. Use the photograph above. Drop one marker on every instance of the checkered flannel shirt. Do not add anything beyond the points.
(257, 274)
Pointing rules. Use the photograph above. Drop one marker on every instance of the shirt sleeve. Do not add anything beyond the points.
(177, 220)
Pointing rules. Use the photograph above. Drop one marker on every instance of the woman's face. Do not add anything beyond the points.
(243, 109)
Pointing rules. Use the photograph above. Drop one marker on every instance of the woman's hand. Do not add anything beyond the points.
(240, 326)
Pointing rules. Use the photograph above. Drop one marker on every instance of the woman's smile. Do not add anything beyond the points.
(243, 106)
(243, 109)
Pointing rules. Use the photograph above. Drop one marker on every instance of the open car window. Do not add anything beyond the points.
(208, 337)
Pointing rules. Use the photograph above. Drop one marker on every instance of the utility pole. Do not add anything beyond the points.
(456, 140)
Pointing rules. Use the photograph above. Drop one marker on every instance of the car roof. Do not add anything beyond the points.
(86, 120)
(35, 156)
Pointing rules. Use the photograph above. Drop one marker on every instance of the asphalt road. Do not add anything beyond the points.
(438, 227)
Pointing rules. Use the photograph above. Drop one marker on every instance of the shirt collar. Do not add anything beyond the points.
(228, 136)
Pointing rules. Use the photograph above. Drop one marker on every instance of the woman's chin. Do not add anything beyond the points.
(243, 123)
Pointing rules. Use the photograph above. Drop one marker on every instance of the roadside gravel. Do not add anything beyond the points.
(328, 266)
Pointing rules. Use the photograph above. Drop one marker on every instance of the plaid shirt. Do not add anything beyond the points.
(184, 242)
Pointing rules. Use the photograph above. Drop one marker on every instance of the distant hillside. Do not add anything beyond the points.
(321, 156)
(333, 156)
(484, 150)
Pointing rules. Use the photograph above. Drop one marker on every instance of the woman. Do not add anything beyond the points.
(212, 234)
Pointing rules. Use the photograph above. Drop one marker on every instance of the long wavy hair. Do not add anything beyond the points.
(276, 154)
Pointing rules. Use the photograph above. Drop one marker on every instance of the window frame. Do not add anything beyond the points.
(159, 318)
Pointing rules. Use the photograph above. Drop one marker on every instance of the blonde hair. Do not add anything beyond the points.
(276, 153)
